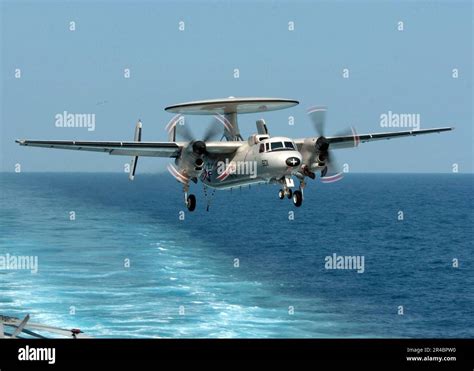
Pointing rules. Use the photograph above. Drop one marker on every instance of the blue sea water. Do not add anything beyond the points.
(183, 281)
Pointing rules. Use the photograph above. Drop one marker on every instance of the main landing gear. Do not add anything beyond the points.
(297, 198)
(189, 200)
(298, 195)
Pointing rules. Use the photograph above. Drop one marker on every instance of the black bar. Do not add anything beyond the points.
(87, 352)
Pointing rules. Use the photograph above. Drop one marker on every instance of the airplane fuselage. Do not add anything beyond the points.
(260, 160)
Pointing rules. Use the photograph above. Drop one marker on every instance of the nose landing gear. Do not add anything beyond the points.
(285, 192)
(296, 196)
(281, 194)
(286, 183)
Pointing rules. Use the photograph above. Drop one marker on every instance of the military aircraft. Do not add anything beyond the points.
(232, 162)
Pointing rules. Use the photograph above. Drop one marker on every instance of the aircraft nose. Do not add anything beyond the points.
(293, 161)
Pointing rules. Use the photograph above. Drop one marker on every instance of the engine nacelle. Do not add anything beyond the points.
(198, 164)
(192, 159)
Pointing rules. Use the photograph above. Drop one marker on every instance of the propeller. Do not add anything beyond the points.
(178, 128)
(212, 132)
(331, 171)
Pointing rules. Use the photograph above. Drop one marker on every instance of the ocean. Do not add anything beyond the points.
(253, 266)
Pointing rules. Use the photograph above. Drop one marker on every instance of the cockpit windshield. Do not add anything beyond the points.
(281, 146)
(276, 145)
(289, 145)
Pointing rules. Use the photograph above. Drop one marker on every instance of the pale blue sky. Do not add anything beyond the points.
(82, 72)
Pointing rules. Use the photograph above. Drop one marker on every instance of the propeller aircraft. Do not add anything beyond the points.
(231, 161)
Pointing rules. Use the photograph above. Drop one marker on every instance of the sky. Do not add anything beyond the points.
(409, 71)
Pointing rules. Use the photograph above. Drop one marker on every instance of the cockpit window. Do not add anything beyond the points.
(276, 145)
(289, 145)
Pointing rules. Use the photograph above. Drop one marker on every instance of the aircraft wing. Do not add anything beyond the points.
(223, 147)
(152, 149)
(348, 141)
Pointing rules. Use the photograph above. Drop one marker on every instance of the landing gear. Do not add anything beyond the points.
(285, 192)
(191, 202)
(287, 183)
(297, 198)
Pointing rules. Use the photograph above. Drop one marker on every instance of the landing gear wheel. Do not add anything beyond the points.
(289, 194)
(297, 198)
(281, 194)
(191, 202)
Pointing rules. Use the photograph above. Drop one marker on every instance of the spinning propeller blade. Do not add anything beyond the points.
(184, 171)
(178, 127)
(331, 172)
(212, 131)
(183, 131)
(317, 115)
